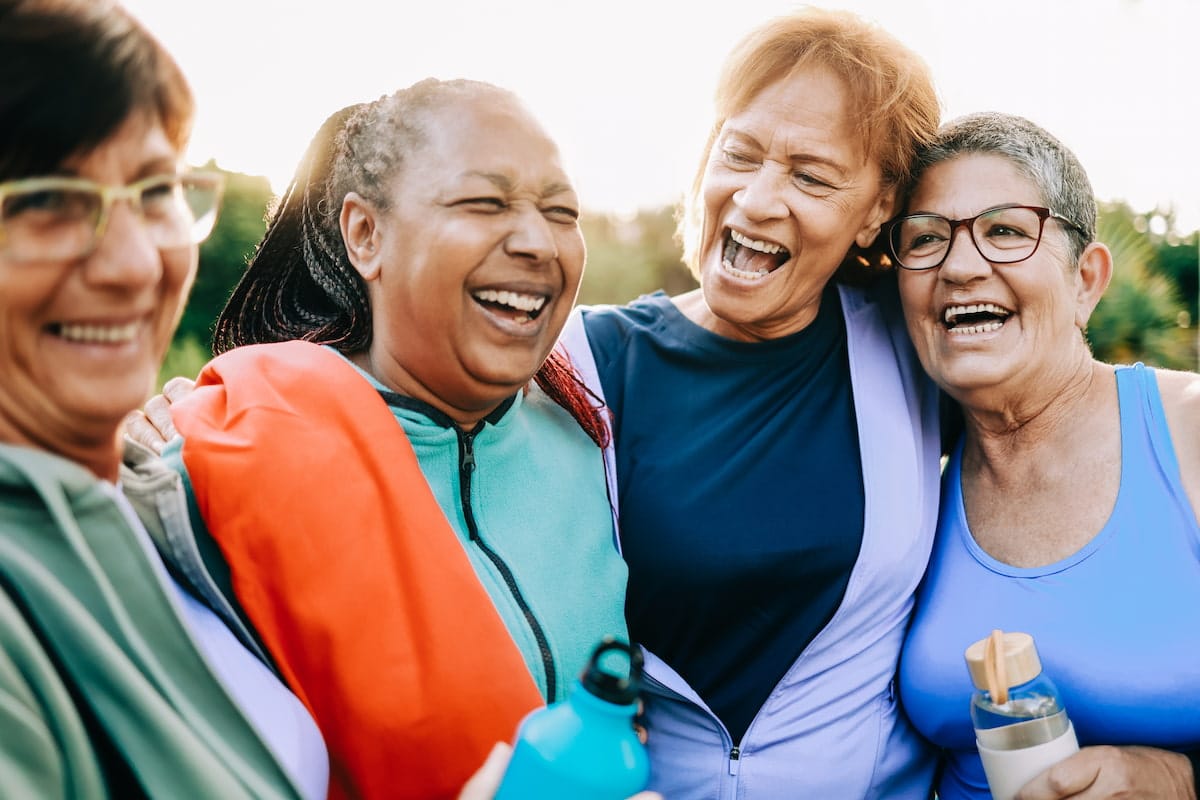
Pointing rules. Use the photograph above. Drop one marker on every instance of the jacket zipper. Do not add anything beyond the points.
(466, 466)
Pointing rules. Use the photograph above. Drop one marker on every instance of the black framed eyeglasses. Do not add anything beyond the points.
(1003, 235)
(60, 219)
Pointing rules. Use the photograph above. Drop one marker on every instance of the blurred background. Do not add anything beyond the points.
(625, 87)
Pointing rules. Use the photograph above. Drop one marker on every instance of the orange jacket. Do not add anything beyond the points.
(348, 569)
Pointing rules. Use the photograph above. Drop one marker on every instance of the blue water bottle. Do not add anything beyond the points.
(583, 748)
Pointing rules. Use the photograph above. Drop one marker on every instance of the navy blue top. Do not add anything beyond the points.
(740, 491)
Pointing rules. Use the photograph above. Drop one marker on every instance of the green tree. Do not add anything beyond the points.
(629, 256)
(1139, 318)
(223, 256)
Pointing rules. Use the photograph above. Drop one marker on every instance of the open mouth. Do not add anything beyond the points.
(519, 307)
(975, 318)
(89, 333)
(751, 259)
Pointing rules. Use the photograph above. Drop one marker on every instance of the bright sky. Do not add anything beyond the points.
(625, 85)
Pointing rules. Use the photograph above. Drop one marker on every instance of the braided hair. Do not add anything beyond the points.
(300, 284)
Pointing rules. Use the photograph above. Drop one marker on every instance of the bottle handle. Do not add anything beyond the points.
(616, 688)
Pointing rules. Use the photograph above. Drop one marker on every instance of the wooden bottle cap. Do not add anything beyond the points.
(1001, 661)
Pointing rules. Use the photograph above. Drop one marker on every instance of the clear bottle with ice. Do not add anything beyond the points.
(1021, 726)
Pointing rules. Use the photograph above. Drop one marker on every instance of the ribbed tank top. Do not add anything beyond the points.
(1115, 623)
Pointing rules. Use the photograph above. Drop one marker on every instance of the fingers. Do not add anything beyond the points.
(178, 388)
(157, 412)
(486, 780)
(1104, 772)
(139, 428)
(153, 426)
(1067, 778)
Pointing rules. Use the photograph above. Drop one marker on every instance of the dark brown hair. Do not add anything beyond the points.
(300, 283)
(71, 71)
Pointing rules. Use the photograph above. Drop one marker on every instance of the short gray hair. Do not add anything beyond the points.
(1060, 179)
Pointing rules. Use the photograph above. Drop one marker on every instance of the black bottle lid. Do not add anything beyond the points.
(620, 690)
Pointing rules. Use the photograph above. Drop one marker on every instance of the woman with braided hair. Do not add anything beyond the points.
(421, 585)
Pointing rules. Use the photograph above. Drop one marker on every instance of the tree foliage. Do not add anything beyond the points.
(223, 255)
(629, 256)
(1142, 316)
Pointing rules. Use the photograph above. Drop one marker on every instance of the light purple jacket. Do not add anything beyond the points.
(831, 729)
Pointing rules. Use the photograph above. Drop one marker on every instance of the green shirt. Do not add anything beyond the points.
(95, 661)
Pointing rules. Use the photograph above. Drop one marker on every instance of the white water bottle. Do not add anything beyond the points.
(1021, 727)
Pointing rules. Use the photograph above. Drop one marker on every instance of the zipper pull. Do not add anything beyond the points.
(735, 756)
(468, 458)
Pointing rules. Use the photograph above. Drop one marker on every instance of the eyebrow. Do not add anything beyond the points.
(504, 183)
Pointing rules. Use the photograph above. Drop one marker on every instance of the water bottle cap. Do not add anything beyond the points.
(620, 690)
(1020, 657)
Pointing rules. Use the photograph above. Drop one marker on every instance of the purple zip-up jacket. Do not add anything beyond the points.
(831, 729)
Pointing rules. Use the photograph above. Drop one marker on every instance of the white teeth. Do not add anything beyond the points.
(741, 273)
(521, 302)
(987, 327)
(104, 334)
(755, 244)
(954, 312)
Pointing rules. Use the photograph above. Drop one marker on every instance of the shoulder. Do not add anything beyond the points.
(609, 328)
(645, 311)
(1180, 392)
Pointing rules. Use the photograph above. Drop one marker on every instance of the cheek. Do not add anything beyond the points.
(572, 255)
(179, 272)
(717, 189)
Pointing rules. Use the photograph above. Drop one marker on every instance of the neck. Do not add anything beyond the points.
(465, 414)
(1039, 422)
(100, 454)
(695, 307)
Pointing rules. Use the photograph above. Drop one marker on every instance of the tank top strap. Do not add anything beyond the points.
(1144, 431)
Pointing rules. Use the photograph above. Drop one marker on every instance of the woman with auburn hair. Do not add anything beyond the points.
(776, 444)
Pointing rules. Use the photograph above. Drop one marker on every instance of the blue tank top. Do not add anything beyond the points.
(1115, 622)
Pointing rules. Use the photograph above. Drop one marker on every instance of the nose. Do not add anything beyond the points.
(125, 255)
(531, 237)
(762, 196)
(963, 262)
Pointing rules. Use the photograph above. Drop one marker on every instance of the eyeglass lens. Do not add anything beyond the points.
(62, 222)
(1002, 235)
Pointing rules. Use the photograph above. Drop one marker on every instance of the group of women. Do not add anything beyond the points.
(395, 519)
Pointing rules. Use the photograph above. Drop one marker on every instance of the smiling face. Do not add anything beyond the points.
(474, 267)
(786, 192)
(81, 341)
(979, 326)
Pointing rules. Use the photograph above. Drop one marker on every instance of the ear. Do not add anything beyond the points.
(885, 207)
(359, 221)
(1091, 279)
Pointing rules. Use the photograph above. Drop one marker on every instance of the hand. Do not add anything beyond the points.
(153, 426)
(1126, 772)
(486, 781)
